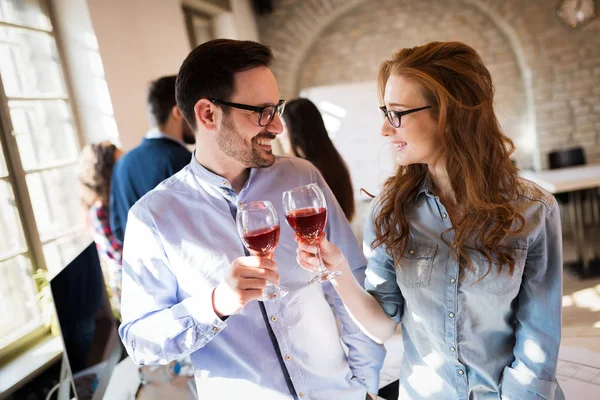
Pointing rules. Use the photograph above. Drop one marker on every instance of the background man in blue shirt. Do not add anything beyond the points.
(161, 154)
(187, 286)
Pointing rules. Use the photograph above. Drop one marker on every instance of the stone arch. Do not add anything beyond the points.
(296, 32)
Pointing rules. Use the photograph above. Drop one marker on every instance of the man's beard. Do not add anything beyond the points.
(232, 143)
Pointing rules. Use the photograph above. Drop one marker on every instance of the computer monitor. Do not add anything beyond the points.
(87, 326)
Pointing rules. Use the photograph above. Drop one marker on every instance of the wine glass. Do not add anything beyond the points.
(306, 212)
(258, 226)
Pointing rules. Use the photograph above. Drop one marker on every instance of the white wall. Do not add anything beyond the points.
(245, 20)
(114, 49)
(369, 157)
(239, 23)
(224, 26)
(139, 41)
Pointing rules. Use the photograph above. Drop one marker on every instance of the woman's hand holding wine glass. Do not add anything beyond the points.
(332, 257)
(306, 212)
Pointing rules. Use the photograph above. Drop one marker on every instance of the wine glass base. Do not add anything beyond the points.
(272, 292)
(324, 276)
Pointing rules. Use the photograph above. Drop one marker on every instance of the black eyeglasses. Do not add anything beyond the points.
(395, 116)
(265, 114)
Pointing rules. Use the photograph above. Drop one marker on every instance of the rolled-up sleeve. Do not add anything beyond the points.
(532, 375)
(380, 280)
(156, 327)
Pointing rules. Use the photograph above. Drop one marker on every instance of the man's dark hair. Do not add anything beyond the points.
(208, 71)
(161, 99)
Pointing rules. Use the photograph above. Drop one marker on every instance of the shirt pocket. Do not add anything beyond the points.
(416, 265)
(496, 282)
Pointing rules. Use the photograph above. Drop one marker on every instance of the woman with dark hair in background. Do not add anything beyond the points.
(305, 136)
(96, 166)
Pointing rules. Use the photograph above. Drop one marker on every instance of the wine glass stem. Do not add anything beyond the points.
(321, 268)
(270, 257)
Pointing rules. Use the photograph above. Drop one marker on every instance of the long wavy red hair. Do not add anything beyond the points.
(458, 86)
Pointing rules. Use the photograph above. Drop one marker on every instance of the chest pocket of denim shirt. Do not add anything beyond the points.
(416, 265)
(503, 283)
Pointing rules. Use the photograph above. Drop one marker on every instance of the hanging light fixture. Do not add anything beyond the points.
(575, 12)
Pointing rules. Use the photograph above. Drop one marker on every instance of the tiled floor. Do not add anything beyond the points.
(581, 298)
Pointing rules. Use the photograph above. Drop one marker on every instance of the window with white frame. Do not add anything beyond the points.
(40, 215)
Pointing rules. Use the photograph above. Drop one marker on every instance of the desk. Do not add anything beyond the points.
(572, 180)
(125, 381)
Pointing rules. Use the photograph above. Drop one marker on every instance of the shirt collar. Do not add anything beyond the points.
(203, 174)
(156, 133)
(425, 187)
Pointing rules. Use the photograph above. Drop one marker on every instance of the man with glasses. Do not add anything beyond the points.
(188, 287)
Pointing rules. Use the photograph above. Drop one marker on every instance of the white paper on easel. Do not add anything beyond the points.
(578, 372)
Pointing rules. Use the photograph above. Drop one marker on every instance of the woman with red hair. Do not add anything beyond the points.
(462, 252)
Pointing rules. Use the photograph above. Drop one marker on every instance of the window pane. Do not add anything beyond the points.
(25, 12)
(11, 231)
(3, 169)
(55, 199)
(29, 64)
(18, 306)
(44, 132)
(60, 252)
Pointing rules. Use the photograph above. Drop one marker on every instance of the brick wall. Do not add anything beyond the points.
(547, 75)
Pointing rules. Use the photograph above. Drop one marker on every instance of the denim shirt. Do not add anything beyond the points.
(180, 240)
(470, 338)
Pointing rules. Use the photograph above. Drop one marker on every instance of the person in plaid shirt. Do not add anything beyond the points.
(96, 166)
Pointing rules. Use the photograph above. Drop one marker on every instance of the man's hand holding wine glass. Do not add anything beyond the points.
(244, 281)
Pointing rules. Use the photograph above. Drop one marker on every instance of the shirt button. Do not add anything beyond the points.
(301, 394)
(411, 252)
(216, 328)
(225, 183)
(451, 315)
(444, 215)
(287, 357)
(461, 372)
(452, 280)
(273, 318)
(452, 348)
(240, 203)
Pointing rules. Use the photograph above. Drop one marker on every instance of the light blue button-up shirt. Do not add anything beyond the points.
(181, 239)
(463, 339)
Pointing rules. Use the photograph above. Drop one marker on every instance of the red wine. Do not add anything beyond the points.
(262, 241)
(308, 222)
